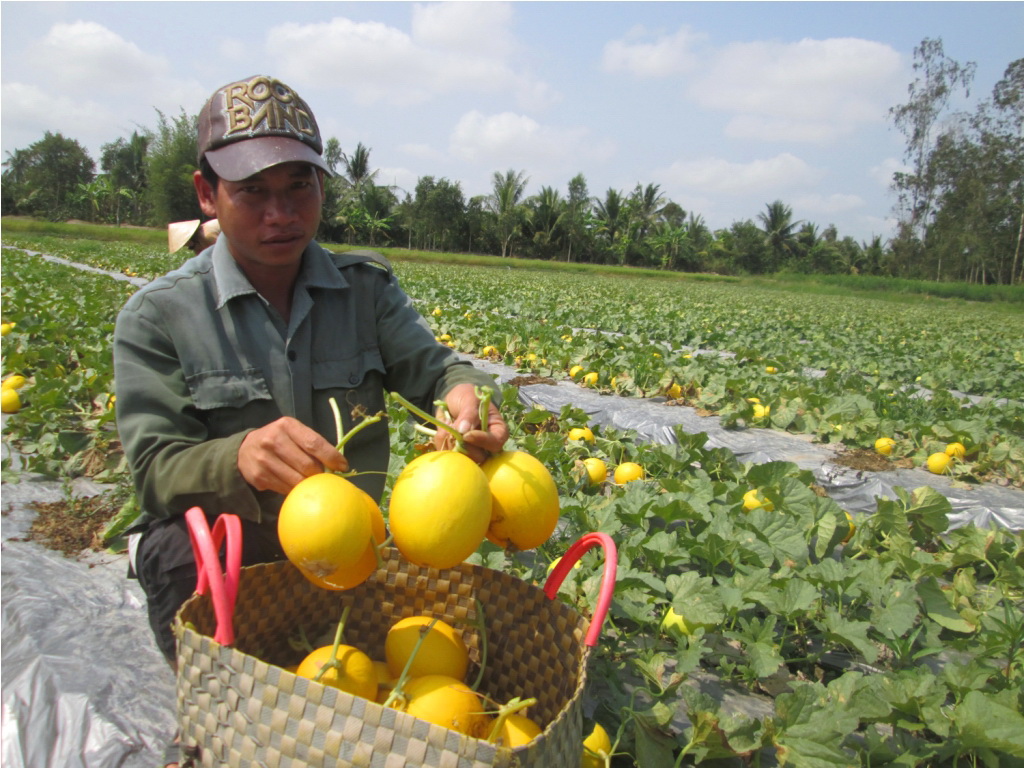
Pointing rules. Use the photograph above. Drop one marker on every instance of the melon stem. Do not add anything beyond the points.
(419, 412)
(484, 394)
(481, 628)
(339, 428)
(398, 691)
(511, 708)
(334, 663)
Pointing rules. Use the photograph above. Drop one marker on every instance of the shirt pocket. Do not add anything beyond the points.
(213, 390)
(362, 370)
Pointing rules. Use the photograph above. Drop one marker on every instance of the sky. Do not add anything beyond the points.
(726, 106)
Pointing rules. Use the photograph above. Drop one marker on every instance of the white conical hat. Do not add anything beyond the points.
(210, 231)
(179, 233)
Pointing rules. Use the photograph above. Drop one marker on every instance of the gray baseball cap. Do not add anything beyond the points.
(252, 124)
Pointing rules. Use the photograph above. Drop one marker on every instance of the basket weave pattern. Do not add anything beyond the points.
(237, 707)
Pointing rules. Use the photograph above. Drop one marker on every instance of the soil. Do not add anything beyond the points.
(525, 381)
(869, 460)
(74, 527)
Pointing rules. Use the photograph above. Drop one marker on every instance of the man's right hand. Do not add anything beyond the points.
(281, 454)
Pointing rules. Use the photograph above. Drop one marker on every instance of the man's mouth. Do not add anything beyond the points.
(282, 239)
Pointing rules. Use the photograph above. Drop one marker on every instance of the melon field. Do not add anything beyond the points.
(756, 621)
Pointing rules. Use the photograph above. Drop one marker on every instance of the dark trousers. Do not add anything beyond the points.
(166, 569)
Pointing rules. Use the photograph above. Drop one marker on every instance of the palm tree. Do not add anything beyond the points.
(649, 202)
(609, 214)
(547, 215)
(779, 233)
(357, 167)
(17, 163)
(504, 203)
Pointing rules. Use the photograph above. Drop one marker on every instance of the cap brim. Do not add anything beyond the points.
(179, 233)
(245, 158)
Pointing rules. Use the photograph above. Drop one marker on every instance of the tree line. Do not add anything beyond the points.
(960, 203)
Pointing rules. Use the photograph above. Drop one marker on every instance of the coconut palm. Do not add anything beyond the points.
(504, 203)
(357, 167)
(547, 216)
(609, 215)
(648, 202)
(780, 236)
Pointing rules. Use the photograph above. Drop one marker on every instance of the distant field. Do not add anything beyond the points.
(844, 367)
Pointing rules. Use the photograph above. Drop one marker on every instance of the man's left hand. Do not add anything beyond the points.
(464, 414)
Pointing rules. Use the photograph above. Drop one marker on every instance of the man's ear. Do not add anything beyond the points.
(206, 194)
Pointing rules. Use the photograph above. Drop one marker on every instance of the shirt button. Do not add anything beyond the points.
(292, 355)
(353, 379)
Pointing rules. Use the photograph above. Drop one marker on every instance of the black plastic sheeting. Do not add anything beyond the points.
(84, 686)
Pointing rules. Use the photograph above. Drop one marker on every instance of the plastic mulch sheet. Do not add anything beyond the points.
(855, 490)
(83, 682)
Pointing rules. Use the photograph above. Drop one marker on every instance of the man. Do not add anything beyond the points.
(224, 368)
(195, 234)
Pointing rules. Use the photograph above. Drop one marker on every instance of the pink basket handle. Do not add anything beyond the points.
(604, 598)
(223, 586)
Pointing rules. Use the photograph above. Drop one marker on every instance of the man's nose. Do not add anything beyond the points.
(280, 206)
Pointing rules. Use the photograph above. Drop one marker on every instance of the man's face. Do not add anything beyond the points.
(268, 218)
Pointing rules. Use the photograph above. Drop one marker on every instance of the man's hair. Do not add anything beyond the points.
(208, 173)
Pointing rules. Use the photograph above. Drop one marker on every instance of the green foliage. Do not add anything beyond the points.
(900, 646)
(61, 344)
(170, 163)
(848, 369)
(43, 180)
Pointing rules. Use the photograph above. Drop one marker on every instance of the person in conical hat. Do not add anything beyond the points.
(197, 236)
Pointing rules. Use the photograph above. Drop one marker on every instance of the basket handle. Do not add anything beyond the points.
(604, 598)
(223, 586)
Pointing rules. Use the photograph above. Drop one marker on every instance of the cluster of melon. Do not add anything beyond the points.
(422, 673)
(443, 505)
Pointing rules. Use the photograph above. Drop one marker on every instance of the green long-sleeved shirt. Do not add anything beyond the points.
(201, 359)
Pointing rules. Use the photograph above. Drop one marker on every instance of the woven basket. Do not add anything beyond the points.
(238, 707)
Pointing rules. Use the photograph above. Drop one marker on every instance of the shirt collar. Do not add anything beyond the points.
(318, 271)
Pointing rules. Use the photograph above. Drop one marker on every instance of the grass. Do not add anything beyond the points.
(16, 225)
(885, 288)
(484, 260)
(897, 288)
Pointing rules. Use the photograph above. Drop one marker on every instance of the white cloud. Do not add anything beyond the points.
(233, 49)
(399, 177)
(812, 90)
(380, 63)
(477, 28)
(877, 225)
(29, 112)
(665, 55)
(715, 175)
(883, 172)
(511, 140)
(828, 204)
(92, 86)
(421, 151)
(87, 57)
(765, 128)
